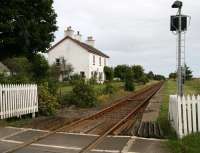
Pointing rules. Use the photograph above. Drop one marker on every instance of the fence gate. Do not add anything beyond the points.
(184, 114)
(17, 100)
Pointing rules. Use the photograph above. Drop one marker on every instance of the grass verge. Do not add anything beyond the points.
(190, 143)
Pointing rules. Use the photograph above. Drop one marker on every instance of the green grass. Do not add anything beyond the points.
(191, 143)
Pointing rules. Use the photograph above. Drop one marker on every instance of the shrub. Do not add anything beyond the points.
(48, 103)
(53, 86)
(18, 65)
(109, 73)
(109, 89)
(83, 95)
(144, 79)
(93, 80)
(129, 85)
(75, 78)
(14, 79)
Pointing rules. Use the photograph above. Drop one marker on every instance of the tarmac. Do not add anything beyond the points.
(61, 142)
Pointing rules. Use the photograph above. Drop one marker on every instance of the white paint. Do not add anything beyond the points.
(69, 32)
(79, 58)
(78, 36)
(17, 100)
(13, 134)
(59, 147)
(90, 41)
(183, 114)
(128, 146)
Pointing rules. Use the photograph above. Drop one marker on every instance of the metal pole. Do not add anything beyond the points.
(179, 71)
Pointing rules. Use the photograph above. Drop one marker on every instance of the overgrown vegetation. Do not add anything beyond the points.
(48, 103)
(109, 89)
(129, 85)
(82, 94)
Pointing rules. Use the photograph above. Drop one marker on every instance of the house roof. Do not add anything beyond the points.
(83, 45)
(3, 67)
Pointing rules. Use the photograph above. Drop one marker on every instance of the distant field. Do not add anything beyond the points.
(189, 144)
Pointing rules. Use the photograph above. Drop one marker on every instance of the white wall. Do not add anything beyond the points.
(80, 58)
(73, 54)
(97, 67)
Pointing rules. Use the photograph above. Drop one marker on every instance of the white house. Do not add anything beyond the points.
(83, 56)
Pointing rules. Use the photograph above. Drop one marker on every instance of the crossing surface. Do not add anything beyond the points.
(62, 142)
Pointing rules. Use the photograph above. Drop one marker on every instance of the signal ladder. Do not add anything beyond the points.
(182, 54)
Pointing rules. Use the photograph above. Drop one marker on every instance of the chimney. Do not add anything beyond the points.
(69, 32)
(90, 41)
(78, 36)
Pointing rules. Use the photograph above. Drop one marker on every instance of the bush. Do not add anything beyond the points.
(109, 73)
(129, 85)
(53, 86)
(14, 79)
(48, 103)
(109, 89)
(144, 79)
(19, 66)
(75, 78)
(93, 80)
(83, 95)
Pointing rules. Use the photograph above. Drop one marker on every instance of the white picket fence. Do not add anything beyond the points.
(184, 114)
(18, 100)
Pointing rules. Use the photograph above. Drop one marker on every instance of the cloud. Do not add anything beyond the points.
(132, 31)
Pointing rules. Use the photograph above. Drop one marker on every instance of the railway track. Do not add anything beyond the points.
(111, 120)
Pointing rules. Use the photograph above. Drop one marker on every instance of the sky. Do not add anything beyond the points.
(133, 31)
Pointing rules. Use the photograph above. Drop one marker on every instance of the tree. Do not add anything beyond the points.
(188, 73)
(120, 71)
(129, 85)
(150, 75)
(159, 77)
(138, 72)
(40, 68)
(18, 66)
(172, 75)
(109, 73)
(26, 27)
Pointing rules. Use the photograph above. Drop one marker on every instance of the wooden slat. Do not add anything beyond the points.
(17, 100)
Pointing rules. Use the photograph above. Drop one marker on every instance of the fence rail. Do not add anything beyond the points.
(184, 114)
(17, 100)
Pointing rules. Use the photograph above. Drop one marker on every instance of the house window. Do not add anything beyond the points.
(105, 61)
(82, 74)
(57, 61)
(99, 61)
(93, 59)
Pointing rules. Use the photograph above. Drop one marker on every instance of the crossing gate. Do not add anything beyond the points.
(17, 100)
(184, 114)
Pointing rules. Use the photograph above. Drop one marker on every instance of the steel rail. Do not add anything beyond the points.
(93, 116)
(99, 139)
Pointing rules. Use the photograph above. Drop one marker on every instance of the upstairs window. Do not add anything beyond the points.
(58, 61)
(105, 61)
(99, 61)
(93, 59)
